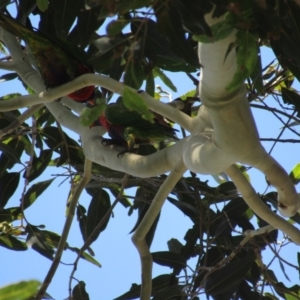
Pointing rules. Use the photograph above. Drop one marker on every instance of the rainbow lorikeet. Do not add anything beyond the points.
(58, 61)
(128, 128)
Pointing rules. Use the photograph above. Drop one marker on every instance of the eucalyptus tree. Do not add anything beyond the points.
(222, 40)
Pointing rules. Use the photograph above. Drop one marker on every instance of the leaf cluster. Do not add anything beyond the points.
(144, 39)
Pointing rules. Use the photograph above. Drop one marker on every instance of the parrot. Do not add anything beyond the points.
(128, 128)
(58, 61)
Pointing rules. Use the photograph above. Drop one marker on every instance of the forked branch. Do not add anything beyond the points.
(262, 210)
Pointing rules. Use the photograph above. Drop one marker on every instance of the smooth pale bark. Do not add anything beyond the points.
(260, 208)
(235, 132)
(223, 133)
(139, 236)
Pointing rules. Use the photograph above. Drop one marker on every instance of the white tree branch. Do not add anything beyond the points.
(136, 165)
(261, 209)
(235, 137)
(223, 133)
(7, 65)
(139, 236)
(22, 65)
(218, 70)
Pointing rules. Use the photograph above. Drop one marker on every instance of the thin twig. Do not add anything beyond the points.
(29, 166)
(276, 253)
(281, 132)
(279, 140)
(24, 116)
(90, 239)
(273, 109)
(61, 246)
(284, 123)
(226, 259)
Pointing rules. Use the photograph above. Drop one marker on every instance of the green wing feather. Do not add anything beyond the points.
(133, 123)
(58, 61)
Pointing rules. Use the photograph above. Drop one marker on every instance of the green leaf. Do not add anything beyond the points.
(293, 293)
(150, 84)
(291, 297)
(98, 208)
(8, 185)
(102, 52)
(8, 76)
(211, 258)
(115, 27)
(169, 259)
(291, 97)
(60, 142)
(35, 191)
(220, 31)
(10, 151)
(243, 169)
(158, 283)
(89, 115)
(12, 243)
(39, 164)
(256, 75)
(90, 259)
(191, 237)
(10, 96)
(133, 293)
(222, 227)
(226, 188)
(42, 5)
(51, 238)
(269, 296)
(246, 58)
(22, 290)
(42, 116)
(229, 276)
(81, 218)
(134, 75)
(187, 208)
(283, 270)
(235, 208)
(169, 292)
(164, 78)
(10, 214)
(79, 292)
(44, 251)
(295, 174)
(43, 241)
(126, 5)
(133, 101)
(27, 144)
(86, 256)
(88, 21)
(3, 3)
(298, 259)
(187, 95)
(52, 137)
(174, 245)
